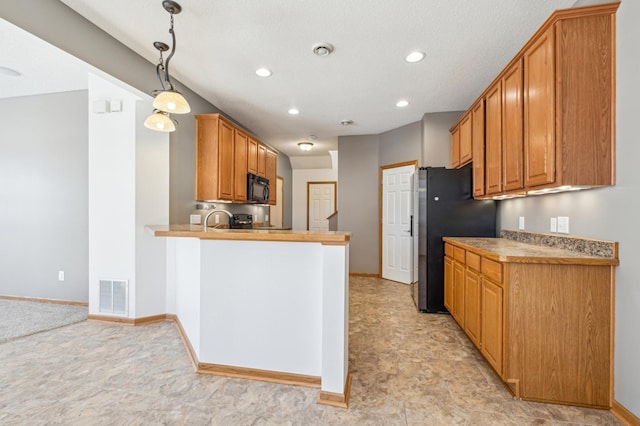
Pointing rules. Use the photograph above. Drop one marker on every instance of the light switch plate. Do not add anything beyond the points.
(195, 219)
(521, 223)
(563, 224)
(553, 225)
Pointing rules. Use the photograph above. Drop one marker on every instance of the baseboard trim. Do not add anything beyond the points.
(42, 300)
(260, 375)
(623, 414)
(129, 321)
(340, 400)
(361, 274)
(326, 398)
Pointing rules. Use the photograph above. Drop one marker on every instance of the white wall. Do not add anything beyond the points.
(128, 188)
(43, 193)
(608, 213)
(300, 178)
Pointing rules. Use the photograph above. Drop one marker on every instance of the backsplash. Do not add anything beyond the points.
(587, 246)
(260, 213)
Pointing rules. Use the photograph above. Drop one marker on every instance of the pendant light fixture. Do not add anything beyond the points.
(166, 100)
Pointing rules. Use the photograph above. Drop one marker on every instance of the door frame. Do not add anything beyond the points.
(335, 195)
(413, 163)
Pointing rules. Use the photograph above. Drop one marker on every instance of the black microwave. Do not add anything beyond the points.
(257, 189)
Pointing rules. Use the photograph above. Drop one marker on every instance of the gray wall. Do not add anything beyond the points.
(608, 213)
(44, 193)
(436, 139)
(400, 145)
(358, 187)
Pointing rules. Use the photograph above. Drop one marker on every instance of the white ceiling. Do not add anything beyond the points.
(222, 42)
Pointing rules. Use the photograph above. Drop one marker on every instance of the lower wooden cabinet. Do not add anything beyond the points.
(545, 326)
(472, 318)
(492, 323)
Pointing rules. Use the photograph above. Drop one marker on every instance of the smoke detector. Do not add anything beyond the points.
(323, 49)
(346, 122)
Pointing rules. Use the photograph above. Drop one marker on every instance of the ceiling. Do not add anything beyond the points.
(222, 42)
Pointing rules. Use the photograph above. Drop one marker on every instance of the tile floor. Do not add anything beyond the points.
(408, 369)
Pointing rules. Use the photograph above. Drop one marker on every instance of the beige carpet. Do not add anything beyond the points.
(22, 318)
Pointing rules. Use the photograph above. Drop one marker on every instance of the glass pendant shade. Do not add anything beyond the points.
(160, 122)
(171, 101)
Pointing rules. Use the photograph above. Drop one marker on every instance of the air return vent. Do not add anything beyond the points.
(114, 296)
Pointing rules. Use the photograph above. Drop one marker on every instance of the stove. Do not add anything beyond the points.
(241, 221)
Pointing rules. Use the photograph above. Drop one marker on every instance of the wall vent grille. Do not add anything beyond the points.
(114, 296)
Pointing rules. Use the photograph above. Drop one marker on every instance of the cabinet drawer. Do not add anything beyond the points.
(473, 261)
(458, 254)
(493, 270)
(448, 250)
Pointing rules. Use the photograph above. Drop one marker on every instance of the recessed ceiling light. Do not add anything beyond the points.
(263, 72)
(415, 56)
(294, 111)
(9, 72)
(323, 49)
(402, 103)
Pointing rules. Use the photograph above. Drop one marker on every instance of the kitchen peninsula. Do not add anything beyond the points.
(263, 304)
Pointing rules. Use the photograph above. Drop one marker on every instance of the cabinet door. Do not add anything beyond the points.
(458, 293)
(225, 161)
(539, 111)
(477, 142)
(240, 166)
(455, 147)
(206, 159)
(262, 161)
(448, 284)
(252, 156)
(493, 139)
(491, 330)
(512, 145)
(466, 153)
(272, 174)
(472, 305)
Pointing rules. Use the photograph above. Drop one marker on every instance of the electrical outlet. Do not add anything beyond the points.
(60, 275)
(195, 219)
(563, 224)
(553, 224)
(521, 223)
(266, 218)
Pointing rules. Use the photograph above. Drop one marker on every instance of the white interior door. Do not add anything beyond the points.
(397, 208)
(321, 205)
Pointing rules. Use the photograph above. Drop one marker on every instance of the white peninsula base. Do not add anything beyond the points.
(270, 307)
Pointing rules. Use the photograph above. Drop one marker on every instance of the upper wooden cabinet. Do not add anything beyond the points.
(493, 139)
(240, 166)
(214, 158)
(461, 143)
(262, 160)
(550, 114)
(569, 72)
(478, 146)
(252, 156)
(455, 147)
(512, 157)
(271, 173)
(225, 154)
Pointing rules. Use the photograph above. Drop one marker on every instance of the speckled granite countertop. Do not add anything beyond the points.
(508, 249)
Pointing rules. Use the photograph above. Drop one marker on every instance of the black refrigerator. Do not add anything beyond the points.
(446, 208)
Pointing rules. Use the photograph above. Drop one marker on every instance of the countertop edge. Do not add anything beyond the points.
(196, 231)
